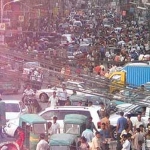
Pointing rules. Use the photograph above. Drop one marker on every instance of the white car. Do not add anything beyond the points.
(14, 108)
(44, 94)
(60, 112)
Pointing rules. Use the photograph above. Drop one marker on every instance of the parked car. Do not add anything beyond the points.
(44, 94)
(60, 112)
(14, 109)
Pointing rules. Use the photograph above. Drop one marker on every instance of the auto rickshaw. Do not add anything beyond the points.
(63, 141)
(33, 125)
(74, 125)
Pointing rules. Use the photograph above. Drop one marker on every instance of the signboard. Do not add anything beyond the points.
(2, 27)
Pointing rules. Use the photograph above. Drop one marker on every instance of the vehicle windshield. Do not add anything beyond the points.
(83, 85)
(10, 107)
(39, 128)
(60, 147)
(116, 78)
(127, 109)
(72, 129)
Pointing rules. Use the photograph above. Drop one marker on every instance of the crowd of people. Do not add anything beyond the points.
(115, 41)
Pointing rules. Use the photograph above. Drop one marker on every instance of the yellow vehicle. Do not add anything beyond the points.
(132, 75)
(117, 81)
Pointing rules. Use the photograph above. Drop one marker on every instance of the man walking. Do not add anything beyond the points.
(53, 100)
(43, 144)
(62, 95)
(121, 124)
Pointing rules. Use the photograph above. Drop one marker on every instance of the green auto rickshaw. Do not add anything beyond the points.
(74, 125)
(33, 125)
(63, 141)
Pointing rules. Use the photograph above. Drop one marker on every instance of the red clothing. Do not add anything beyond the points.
(21, 138)
(97, 69)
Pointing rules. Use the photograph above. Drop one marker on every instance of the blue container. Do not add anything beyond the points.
(137, 75)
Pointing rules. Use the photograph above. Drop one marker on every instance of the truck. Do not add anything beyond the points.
(130, 76)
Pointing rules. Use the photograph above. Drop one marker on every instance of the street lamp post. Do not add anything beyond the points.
(3, 6)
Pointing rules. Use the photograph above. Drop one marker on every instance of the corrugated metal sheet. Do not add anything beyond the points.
(137, 75)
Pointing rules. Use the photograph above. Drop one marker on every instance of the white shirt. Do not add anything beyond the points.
(39, 77)
(42, 145)
(54, 128)
(126, 145)
(138, 123)
(53, 100)
(62, 95)
(28, 92)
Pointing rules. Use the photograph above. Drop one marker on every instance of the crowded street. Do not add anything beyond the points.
(74, 75)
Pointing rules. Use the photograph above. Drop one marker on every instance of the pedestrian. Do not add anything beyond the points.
(87, 133)
(105, 135)
(90, 122)
(90, 104)
(96, 142)
(138, 140)
(83, 145)
(148, 125)
(55, 127)
(62, 95)
(102, 111)
(49, 124)
(74, 92)
(53, 100)
(42, 144)
(28, 91)
(125, 131)
(121, 124)
(20, 137)
(126, 145)
(138, 122)
(106, 121)
(147, 134)
(130, 124)
(142, 131)
(68, 102)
